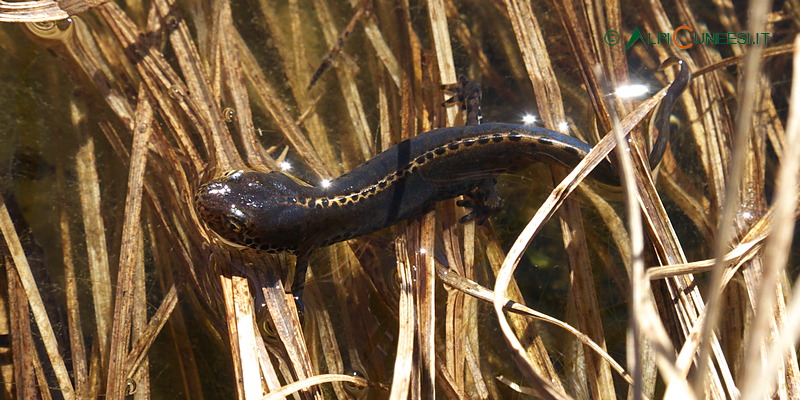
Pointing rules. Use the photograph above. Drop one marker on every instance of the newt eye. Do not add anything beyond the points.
(235, 224)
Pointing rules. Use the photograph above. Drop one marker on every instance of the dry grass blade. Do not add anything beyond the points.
(31, 11)
(548, 209)
(7, 372)
(315, 380)
(293, 42)
(443, 49)
(407, 317)
(517, 387)
(131, 231)
(147, 337)
(726, 229)
(734, 258)
(242, 316)
(426, 305)
(642, 308)
(234, 81)
(159, 77)
(382, 49)
(537, 352)
(459, 309)
(353, 103)
(204, 101)
(337, 48)
(448, 388)
(272, 103)
(34, 298)
(584, 295)
(22, 344)
(77, 346)
(537, 63)
(479, 292)
(94, 227)
(777, 250)
(327, 332)
(739, 59)
(242, 385)
(138, 382)
(74, 7)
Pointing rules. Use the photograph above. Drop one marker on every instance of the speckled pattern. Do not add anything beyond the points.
(272, 213)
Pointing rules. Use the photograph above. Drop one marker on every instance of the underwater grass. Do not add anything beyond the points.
(114, 287)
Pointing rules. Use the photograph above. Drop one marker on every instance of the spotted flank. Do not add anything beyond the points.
(423, 159)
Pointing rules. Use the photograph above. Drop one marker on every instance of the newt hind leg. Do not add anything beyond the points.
(483, 201)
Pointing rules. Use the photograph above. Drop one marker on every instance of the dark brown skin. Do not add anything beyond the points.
(272, 213)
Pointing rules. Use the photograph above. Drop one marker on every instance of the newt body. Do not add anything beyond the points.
(270, 212)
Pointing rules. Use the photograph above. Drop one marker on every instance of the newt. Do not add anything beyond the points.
(270, 212)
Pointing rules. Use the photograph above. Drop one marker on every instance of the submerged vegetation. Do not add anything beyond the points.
(113, 287)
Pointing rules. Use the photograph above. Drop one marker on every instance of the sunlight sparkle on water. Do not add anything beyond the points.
(528, 119)
(632, 90)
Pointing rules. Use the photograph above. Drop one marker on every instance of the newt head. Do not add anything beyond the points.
(248, 208)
